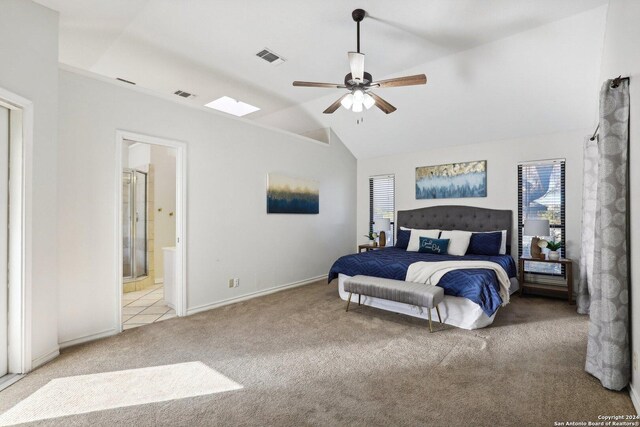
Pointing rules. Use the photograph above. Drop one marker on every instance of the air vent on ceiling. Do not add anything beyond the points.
(126, 81)
(183, 94)
(270, 56)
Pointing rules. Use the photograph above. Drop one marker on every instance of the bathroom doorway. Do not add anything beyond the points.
(151, 282)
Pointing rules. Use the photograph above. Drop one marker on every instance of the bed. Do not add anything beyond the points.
(472, 295)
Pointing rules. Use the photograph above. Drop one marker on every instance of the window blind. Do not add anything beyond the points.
(541, 194)
(382, 201)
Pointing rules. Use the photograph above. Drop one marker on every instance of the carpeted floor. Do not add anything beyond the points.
(303, 361)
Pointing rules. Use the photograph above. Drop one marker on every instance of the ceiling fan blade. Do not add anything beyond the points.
(418, 79)
(382, 104)
(356, 63)
(316, 84)
(333, 107)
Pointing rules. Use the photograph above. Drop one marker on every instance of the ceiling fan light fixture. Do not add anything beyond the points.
(358, 82)
(358, 99)
(368, 101)
(347, 101)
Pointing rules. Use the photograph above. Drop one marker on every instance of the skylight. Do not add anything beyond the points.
(232, 106)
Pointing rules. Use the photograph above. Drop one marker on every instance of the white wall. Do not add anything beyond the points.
(29, 68)
(229, 233)
(502, 178)
(621, 57)
(163, 160)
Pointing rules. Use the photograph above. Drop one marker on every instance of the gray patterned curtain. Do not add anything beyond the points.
(608, 356)
(589, 196)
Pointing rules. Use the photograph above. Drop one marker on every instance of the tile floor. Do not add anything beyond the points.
(141, 308)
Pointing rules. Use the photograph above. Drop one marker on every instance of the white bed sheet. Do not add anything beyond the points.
(456, 311)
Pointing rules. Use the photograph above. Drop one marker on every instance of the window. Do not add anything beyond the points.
(541, 194)
(382, 202)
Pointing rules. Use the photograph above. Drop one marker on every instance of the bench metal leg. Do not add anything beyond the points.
(438, 310)
(430, 327)
(349, 300)
(359, 295)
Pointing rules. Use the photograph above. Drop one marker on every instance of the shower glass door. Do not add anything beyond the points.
(140, 224)
(134, 222)
(127, 241)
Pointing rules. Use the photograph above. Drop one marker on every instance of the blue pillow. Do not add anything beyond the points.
(485, 243)
(402, 240)
(433, 246)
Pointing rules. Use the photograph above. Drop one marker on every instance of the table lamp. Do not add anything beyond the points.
(536, 228)
(381, 226)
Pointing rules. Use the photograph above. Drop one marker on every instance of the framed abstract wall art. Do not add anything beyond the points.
(452, 181)
(287, 195)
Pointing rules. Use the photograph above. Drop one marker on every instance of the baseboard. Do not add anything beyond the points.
(634, 398)
(158, 280)
(41, 360)
(87, 338)
(256, 294)
(10, 379)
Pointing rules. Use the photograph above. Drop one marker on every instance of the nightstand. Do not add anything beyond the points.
(542, 288)
(369, 247)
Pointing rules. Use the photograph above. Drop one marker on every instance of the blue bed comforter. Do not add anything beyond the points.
(479, 285)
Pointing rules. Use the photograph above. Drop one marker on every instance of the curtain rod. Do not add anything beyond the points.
(614, 84)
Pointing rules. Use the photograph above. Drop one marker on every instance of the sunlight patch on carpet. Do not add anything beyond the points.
(96, 392)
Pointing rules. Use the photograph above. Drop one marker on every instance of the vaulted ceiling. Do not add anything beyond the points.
(496, 68)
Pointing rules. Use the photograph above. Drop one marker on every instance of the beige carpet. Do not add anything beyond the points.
(303, 361)
(81, 394)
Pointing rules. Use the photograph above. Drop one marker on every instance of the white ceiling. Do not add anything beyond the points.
(208, 47)
(538, 82)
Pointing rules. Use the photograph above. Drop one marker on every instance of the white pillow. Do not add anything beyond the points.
(458, 241)
(503, 242)
(416, 234)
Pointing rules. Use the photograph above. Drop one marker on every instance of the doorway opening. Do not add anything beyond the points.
(151, 213)
(16, 127)
(4, 256)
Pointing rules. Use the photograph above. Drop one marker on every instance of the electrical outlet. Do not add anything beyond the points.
(635, 361)
(234, 283)
(231, 283)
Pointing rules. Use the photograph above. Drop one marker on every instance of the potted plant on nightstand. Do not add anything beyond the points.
(553, 248)
(372, 238)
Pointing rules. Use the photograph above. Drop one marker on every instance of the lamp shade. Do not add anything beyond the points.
(347, 101)
(381, 224)
(368, 101)
(536, 227)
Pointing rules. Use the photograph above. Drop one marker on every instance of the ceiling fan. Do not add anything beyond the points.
(359, 83)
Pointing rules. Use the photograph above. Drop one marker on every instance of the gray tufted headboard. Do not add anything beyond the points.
(467, 218)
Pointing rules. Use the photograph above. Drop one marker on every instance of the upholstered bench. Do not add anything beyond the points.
(418, 294)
